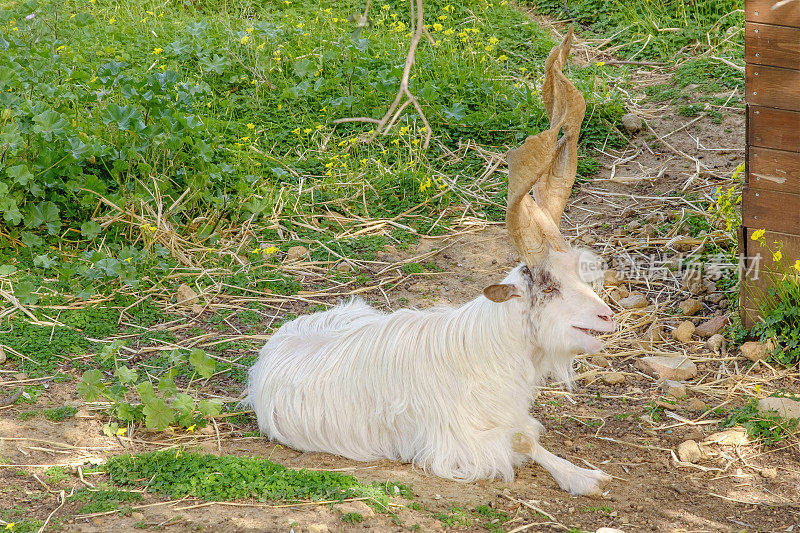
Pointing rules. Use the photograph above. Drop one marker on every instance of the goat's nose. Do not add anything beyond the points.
(607, 316)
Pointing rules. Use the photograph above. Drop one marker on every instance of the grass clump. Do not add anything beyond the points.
(218, 478)
(768, 429)
(54, 414)
(99, 501)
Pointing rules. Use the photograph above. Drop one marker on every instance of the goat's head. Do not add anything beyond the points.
(554, 284)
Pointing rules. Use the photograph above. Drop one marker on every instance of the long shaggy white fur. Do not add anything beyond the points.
(446, 389)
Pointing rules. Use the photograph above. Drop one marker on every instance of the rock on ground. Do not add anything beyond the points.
(613, 378)
(754, 351)
(612, 278)
(785, 407)
(696, 405)
(2, 355)
(689, 452)
(634, 301)
(691, 306)
(714, 343)
(684, 331)
(693, 282)
(674, 388)
(599, 360)
(730, 437)
(631, 122)
(296, 253)
(185, 295)
(665, 367)
(355, 507)
(711, 327)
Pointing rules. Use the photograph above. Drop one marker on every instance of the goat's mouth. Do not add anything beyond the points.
(590, 332)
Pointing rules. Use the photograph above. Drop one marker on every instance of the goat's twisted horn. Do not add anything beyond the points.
(547, 164)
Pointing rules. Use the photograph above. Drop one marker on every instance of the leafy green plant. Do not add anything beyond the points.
(102, 500)
(766, 428)
(779, 305)
(177, 473)
(352, 518)
(158, 406)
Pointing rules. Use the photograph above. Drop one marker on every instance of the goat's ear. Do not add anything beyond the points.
(499, 293)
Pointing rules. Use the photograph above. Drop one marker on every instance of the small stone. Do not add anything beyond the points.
(665, 367)
(631, 122)
(568, 443)
(344, 266)
(785, 407)
(691, 306)
(634, 224)
(689, 452)
(693, 282)
(317, 528)
(206, 430)
(634, 301)
(296, 253)
(754, 351)
(613, 378)
(696, 405)
(2, 355)
(355, 507)
(730, 437)
(715, 298)
(676, 389)
(599, 360)
(185, 295)
(654, 333)
(714, 343)
(612, 278)
(711, 326)
(684, 331)
(137, 515)
(769, 472)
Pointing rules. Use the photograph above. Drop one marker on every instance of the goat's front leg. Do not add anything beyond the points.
(573, 479)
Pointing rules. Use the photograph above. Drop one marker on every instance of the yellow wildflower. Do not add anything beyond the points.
(777, 256)
(249, 30)
(758, 388)
(307, 130)
(386, 7)
(112, 20)
(10, 526)
(191, 428)
(600, 63)
(244, 39)
(503, 57)
(271, 250)
(403, 130)
(449, 31)
(250, 126)
(122, 431)
(261, 46)
(157, 51)
(757, 234)
(797, 265)
(438, 27)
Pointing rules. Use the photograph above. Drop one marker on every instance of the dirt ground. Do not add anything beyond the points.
(735, 487)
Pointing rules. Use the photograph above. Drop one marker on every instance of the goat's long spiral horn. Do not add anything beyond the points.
(547, 164)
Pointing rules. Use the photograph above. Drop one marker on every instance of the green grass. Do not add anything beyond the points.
(102, 500)
(176, 473)
(769, 428)
(55, 414)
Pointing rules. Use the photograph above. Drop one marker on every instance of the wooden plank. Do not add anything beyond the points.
(778, 46)
(773, 128)
(764, 11)
(774, 170)
(772, 86)
(759, 267)
(771, 210)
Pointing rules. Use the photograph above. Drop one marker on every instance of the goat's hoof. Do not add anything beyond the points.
(587, 482)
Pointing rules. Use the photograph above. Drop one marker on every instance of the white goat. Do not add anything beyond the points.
(450, 389)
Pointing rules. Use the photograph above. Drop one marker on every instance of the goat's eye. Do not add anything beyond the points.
(549, 289)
